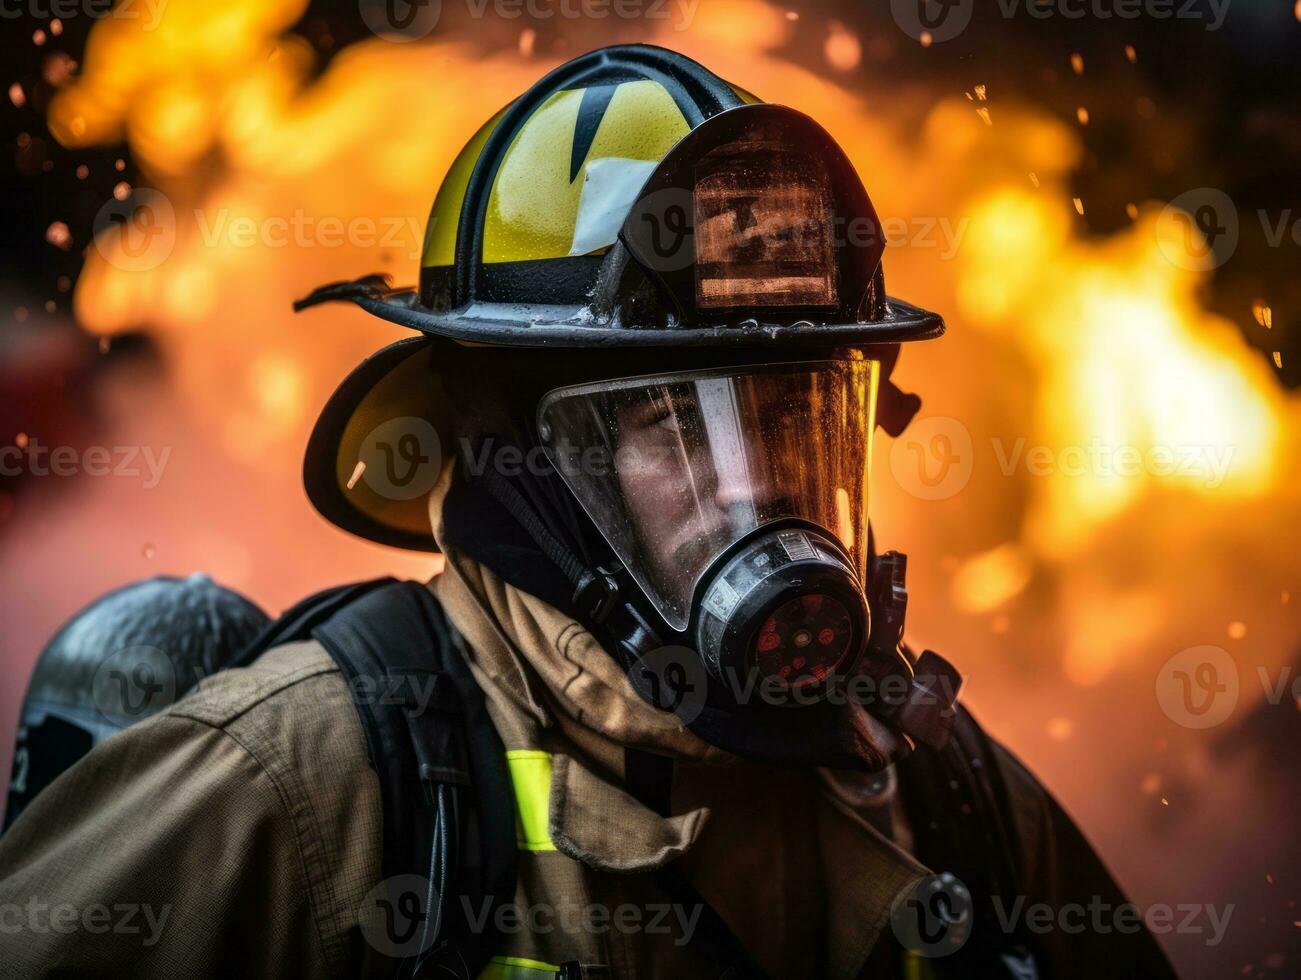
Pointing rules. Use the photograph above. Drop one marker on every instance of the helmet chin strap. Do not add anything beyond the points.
(910, 701)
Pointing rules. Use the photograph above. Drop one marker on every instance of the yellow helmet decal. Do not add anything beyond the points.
(540, 206)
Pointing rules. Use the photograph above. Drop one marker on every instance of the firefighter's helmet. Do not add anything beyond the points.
(630, 201)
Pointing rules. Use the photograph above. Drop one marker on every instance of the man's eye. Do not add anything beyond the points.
(668, 422)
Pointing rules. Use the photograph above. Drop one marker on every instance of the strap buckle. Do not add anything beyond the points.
(597, 593)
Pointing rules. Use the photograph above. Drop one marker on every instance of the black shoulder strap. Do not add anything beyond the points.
(962, 820)
(441, 764)
(648, 777)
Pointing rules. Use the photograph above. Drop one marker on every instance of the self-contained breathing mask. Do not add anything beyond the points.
(735, 501)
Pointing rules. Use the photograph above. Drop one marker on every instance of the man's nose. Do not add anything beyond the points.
(740, 492)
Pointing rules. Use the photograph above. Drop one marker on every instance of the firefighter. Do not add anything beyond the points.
(655, 718)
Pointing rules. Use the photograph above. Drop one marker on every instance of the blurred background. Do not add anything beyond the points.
(1099, 498)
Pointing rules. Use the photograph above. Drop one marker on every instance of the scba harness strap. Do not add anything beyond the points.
(448, 803)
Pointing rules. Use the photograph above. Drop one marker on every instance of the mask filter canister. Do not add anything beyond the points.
(784, 604)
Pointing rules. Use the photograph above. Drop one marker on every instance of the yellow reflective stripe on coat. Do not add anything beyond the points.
(530, 774)
(517, 968)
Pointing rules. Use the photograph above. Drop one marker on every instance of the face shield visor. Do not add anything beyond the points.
(737, 500)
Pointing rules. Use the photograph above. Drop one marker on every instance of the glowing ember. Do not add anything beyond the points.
(1263, 314)
(1082, 114)
(1034, 178)
(527, 39)
(121, 190)
(1131, 210)
(58, 68)
(1077, 63)
(38, 37)
(925, 39)
(983, 113)
(83, 171)
(992, 578)
(1060, 729)
(16, 95)
(1079, 205)
(1132, 55)
(58, 235)
(1278, 359)
(56, 27)
(1237, 630)
(842, 48)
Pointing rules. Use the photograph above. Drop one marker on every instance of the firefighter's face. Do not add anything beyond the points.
(680, 502)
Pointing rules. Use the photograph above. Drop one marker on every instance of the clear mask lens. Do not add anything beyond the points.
(675, 469)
